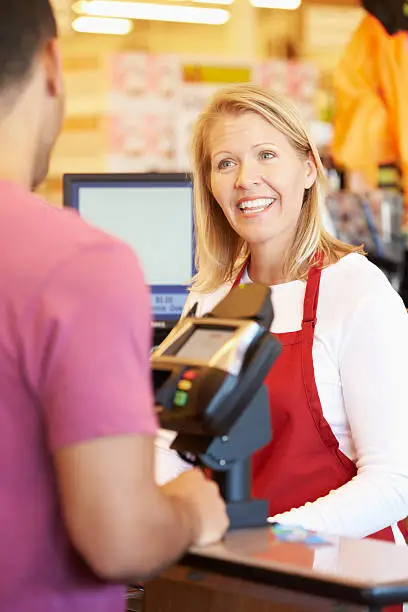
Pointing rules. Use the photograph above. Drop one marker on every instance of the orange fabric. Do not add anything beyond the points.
(371, 87)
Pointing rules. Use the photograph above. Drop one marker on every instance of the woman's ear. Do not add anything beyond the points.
(310, 171)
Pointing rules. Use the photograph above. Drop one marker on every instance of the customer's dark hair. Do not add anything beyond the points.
(25, 25)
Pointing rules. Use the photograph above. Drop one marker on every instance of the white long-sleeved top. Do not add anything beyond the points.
(360, 356)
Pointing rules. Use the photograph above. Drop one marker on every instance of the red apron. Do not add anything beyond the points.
(303, 461)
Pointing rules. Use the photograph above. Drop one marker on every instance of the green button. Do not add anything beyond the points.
(180, 398)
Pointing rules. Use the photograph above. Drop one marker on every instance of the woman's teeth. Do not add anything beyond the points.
(258, 205)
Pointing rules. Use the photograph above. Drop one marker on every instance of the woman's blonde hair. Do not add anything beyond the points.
(220, 252)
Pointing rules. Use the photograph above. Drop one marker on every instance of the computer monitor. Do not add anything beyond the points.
(152, 213)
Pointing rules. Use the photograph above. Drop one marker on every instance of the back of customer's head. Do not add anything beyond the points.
(31, 98)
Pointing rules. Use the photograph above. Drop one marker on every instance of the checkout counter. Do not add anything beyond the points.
(208, 378)
(254, 571)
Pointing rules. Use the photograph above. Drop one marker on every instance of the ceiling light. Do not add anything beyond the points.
(150, 11)
(213, 1)
(100, 25)
(289, 5)
(216, 2)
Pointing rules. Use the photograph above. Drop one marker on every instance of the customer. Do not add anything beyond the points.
(78, 503)
(338, 459)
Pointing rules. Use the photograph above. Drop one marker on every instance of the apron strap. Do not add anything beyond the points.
(312, 292)
(240, 274)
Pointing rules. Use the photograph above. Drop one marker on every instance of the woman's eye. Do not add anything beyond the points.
(267, 155)
(225, 163)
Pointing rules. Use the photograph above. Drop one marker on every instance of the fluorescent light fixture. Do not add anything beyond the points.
(151, 11)
(289, 5)
(225, 2)
(216, 2)
(101, 25)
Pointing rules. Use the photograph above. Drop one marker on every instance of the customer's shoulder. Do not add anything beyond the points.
(37, 238)
(59, 224)
(25, 214)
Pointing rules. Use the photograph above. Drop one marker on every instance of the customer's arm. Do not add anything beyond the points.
(86, 355)
(124, 525)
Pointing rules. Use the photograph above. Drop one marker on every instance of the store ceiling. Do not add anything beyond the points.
(64, 14)
(63, 7)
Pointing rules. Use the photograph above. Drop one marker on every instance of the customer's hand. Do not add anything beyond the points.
(204, 500)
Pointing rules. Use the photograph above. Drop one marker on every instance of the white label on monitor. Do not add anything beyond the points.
(155, 221)
(168, 304)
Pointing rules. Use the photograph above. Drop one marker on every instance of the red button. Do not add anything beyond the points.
(189, 375)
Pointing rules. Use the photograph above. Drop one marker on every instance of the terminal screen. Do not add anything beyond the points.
(204, 343)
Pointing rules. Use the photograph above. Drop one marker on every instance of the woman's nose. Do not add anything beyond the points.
(248, 176)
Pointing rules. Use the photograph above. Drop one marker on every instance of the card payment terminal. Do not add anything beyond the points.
(208, 379)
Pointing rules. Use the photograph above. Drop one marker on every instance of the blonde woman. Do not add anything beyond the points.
(338, 460)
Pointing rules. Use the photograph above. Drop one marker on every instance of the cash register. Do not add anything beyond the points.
(208, 380)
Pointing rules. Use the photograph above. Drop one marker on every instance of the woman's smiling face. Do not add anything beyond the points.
(257, 177)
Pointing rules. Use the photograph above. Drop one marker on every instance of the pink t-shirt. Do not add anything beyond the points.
(74, 366)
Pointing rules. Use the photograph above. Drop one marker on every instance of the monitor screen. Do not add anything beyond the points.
(152, 214)
(204, 343)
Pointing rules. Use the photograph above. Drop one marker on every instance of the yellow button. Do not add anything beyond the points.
(184, 385)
